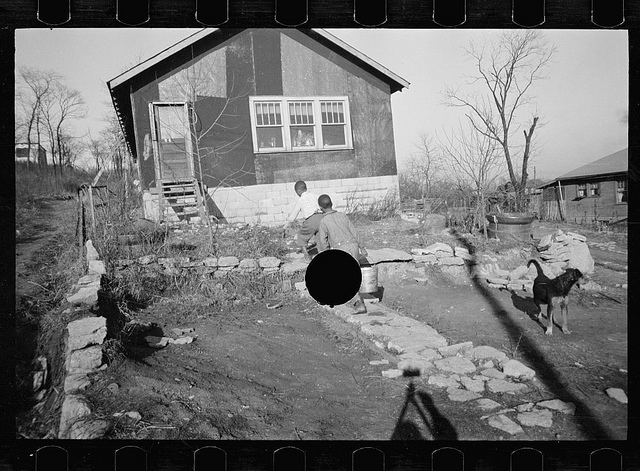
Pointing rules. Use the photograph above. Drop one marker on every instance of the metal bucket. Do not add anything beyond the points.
(369, 279)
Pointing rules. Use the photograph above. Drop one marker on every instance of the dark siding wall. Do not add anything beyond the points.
(289, 167)
(588, 209)
(140, 100)
(267, 62)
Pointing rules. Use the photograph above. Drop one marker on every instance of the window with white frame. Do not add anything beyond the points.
(621, 193)
(582, 190)
(288, 124)
(594, 189)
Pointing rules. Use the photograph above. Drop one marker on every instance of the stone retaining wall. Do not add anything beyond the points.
(83, 355)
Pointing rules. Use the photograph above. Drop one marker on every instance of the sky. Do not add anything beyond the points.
(582, 102)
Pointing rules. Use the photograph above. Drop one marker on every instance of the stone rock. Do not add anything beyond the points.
(87, 331)
(488, 364)
(485, 353)
(74, 407)
(249, 264)
(269, 262)
(90, 279)
(438, 247)
(580, 258)
(181, 341)
(475, 385)
(487, 404)
(86, 295)
(451, 350)
(545, 242)
(300, 286)
(525, 407)
(429, 354)
(456, 365)
(501, 386)
(92, 253)
(568, 408)
(97, 266)
(292, 267)
(210, 262)
(76, 382)
(451, 261)
(493, 373)
(462, 395)
(441, 381)
(505, 424)
(516, 369)
(536, 418)
(157, 342)
(430, 259)
(147, 259)
(617, 394)
(270, 270)
(392, 373)
(230, 262)
(518, 273)
(85, 360)
(89, 429)
(113, 388)
(388, 255)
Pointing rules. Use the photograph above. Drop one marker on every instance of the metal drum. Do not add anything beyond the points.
(369, 279)
(507, 225)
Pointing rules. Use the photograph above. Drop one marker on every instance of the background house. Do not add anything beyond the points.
(249, 112)
(594, 192)
(34, 153)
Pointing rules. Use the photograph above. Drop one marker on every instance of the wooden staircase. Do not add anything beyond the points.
(180, 199)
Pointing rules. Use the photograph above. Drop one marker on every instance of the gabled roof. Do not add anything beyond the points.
(615, 163)
(120, 86)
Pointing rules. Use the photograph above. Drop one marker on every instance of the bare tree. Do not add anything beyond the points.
(99, 152)
(34, 88)
(474, 159)
(60, 106)
(424, 166)
(506, 71)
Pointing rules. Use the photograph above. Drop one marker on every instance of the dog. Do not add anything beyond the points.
(554, 292)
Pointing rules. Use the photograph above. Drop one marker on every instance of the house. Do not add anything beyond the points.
(594, 192)
(246, 113)
(34, 153)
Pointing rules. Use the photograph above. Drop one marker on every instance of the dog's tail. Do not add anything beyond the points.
(538, 267)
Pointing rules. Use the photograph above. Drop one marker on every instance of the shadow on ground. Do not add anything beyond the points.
(590, 427)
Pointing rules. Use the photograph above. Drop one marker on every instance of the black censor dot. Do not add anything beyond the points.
(333, 277)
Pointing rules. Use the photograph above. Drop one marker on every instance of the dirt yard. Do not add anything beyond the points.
(298, 372)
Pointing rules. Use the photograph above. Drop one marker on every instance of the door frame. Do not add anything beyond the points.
(154, 136)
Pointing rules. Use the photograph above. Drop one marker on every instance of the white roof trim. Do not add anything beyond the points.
(361, 56)
(135, 70)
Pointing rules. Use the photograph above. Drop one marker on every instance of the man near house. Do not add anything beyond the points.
(307, 204)
(336, 231)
